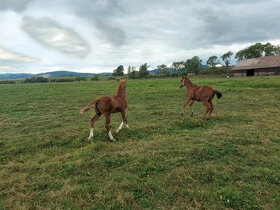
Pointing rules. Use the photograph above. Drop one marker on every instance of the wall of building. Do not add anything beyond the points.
(258, 72)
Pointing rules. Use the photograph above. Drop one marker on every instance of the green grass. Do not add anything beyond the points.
(162, 161)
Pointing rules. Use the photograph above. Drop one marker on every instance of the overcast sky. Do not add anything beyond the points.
(99, 35)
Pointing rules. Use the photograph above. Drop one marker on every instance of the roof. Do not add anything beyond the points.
(257, 63)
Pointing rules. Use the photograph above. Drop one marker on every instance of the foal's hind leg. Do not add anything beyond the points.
(124, 122)
(92, 121)
(107, 126)
(207, 109)
(211, 108)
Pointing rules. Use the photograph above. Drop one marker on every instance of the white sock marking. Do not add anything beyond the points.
(120, 127)
(111, 136)
(90, 134)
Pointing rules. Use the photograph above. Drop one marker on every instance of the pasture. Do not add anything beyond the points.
(162, 161)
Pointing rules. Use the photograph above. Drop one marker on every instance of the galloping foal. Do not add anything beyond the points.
(106, 105)
(205, 94)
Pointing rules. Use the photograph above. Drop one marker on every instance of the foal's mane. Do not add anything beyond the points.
(187, 81)
(121, 88)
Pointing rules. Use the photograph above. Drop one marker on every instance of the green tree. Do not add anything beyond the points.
(270, 49)
(133, 74)
(178, 66)
(143, 70)
(193, 65)
(253, 51)
(213, 61)
(226, 58)
(129, 72)
(162, 69)
(119, 71)
(258, 50)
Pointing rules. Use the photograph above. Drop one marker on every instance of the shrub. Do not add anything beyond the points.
(36, 80)
(63, 80)
(80, 79)
(215, 71)
(7, 82)
(95, 78)
(111, 78)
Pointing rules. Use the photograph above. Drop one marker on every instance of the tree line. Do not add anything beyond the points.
(194, 65)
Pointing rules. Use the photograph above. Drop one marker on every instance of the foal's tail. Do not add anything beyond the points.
(88, 107)
(218, 94)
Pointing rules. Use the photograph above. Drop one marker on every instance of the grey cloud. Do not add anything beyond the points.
(224, 25)
(11, 61)
(16, 5)
(8, 56)
(112, 33)
(185, 24)
(51, 34)
(101, 15)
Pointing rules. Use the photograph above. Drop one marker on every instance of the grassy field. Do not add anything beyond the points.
(162, 161)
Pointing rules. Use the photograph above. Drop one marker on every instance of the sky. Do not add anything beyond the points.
(99, 35)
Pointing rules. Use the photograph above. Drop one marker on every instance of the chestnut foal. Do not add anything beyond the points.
(205, 94)
(106, 105)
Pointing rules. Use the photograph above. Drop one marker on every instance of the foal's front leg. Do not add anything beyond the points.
(124, 122)
(184, 105)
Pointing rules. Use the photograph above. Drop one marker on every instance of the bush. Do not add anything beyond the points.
(7, 82)
(215, 71)
(80, 79)
(63, 80)
(95, 78)
(111, 78)
(36, 80)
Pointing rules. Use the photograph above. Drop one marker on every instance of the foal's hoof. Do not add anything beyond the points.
(113, 139)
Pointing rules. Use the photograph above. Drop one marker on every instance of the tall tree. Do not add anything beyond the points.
(162, 69)
(143, 70)
(129, 71)
(252, 51)
(258, 50)
(178, 66)
(193, 65)
(226, 58)
(119, 71)
(133, 74)
(213, 61)
(270, 49)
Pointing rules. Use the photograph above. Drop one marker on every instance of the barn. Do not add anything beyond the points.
(268, 65)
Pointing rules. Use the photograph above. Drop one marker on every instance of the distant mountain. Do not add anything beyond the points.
(15, 76)
(63, 74)
(49, 74)
(154, 71)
